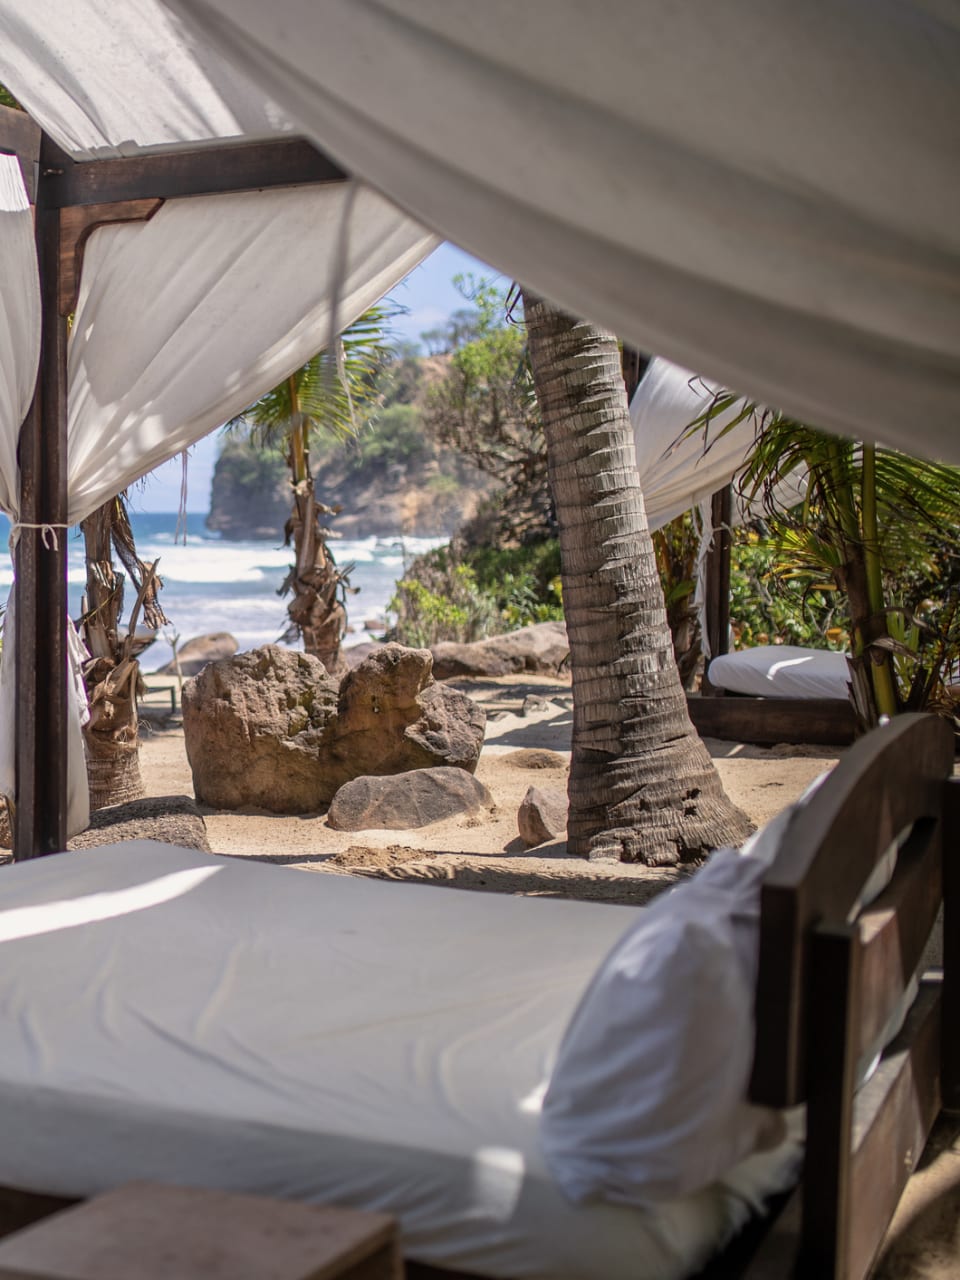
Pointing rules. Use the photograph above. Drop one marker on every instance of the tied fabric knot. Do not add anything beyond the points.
(48, 533)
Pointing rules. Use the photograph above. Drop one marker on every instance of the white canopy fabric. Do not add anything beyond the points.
(106, 79)
(19, 323)
(766, 192)
(680, 468)
(181, 321)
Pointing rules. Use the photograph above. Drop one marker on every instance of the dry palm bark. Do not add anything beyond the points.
(112, 676)
(316, 611)
(642, 785)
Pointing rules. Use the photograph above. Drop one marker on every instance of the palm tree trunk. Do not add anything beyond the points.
(315, 610)
(642, 785)
(111, 737)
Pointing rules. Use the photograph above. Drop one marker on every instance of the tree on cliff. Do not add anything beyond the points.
(333, 393)
(484, 407)
(642, 785)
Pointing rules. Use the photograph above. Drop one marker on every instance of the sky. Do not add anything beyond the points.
(428, 298)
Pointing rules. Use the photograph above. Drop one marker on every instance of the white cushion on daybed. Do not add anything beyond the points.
(781, 671)
(648, 1099)
(169, 1015)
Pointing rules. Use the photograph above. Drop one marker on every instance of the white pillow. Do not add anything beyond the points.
(648, 1097)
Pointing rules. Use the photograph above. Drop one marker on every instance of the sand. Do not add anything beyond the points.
(527, 744)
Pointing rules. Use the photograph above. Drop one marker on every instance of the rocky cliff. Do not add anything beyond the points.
(426, 495)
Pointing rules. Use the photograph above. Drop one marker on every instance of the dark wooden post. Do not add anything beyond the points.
(718, 573)
(950, 1032)
(41, 609)
(634, 365)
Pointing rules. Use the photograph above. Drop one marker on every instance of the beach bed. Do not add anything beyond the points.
(170, 1016)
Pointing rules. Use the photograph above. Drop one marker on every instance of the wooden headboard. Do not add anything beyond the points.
(830, 977)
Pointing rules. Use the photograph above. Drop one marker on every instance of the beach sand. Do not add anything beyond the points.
(527, 717)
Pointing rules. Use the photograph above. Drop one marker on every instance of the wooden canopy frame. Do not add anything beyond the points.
(71, 198)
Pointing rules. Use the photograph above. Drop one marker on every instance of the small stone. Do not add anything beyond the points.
(542, 816)
(535, 758)
(404, 801)
(533, 705)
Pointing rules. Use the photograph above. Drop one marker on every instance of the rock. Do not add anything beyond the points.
(542, 816)
(535, 758)
(407, 800)
(172, 819)
(533, 706)
(354, 654)
(256, 726)
(272, 729)
(196, 653)
(541, 647)
(393, 717)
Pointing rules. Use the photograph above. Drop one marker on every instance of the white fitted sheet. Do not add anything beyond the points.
(781, 671)
(169, 1015)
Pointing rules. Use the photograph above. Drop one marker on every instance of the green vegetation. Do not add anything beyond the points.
(484, 407)
(872, 544)
(455, 593)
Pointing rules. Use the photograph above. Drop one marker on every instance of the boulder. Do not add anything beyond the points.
(542, 816)
(171, 819)
(255, 727)
(196, 653)
(406, 800)
(272, 729)
(541, 647)
(392, 716)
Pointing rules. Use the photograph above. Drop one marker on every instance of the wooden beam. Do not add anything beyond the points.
(20, 137)
(634, 365)
(41, 610)
(76, 225)
(950, 849)
(252, 166)
(718, 573)
(766, 721)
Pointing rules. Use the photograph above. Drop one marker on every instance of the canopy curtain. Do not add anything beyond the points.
(183, 321)
(765, 192)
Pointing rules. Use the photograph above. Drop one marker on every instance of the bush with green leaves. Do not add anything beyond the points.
(464, 595)
(768, 607)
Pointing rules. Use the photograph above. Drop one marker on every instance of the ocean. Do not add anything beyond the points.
(211, 584)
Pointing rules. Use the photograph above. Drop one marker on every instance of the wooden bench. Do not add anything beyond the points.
(158, 1232)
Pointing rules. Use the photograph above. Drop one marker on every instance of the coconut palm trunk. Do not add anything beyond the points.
(112, 677)
(316, 610)
(642, 785)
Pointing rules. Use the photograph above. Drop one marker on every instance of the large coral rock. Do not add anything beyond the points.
(393, 714)
(406, 800)
(271, 729)
(542, 647)
(255, 726)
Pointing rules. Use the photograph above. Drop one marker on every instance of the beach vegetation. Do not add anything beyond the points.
(875, 544)
(331, 396)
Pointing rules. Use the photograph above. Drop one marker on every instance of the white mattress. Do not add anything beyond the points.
(781, 671)
(173, 1016)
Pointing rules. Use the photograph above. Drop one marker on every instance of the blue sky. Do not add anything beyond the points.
(429, 298)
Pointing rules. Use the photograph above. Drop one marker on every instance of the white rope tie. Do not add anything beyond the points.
(48, 533)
